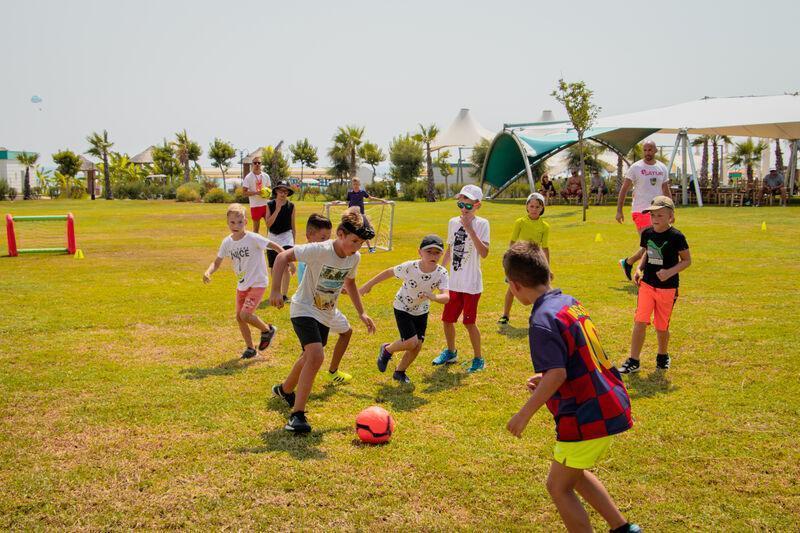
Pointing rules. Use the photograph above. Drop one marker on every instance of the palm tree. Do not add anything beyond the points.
(715, 141)
(426, 137)
(27, 160)
(778, 155)
(703, 141)
(187, 151)
(221, 153)
(372, 155)
(100, 147)
(349, 138)
(445, 169)
(747, 153)
(591, 157)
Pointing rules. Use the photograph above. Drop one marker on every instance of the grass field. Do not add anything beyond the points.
(123, 403)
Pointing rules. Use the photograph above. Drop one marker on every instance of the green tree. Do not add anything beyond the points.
(426, 137)
(27, 160)
(445, 169)
(276, 161)
(349, 138)
(703, 141)
(166, 162)
(340, 161)
(407, 158)
(477, 157)
(187, 152)
(591, 157)
(577, 100)
(305, 154)
(778, 155)
(372, 155)
(715, 166)
(221, 153)
(747, 153)
(100, 146)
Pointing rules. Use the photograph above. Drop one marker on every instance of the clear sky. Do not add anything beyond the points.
(255, 72)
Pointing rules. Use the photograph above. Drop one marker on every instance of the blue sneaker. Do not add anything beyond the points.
(626, 268)
(477, 365)
(383, 357)
(446, 357)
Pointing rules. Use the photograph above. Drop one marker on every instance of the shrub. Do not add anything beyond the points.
(239, 197)
(217, 196)
(382, 189)
(455, 188)
(440, 191)
(336, 191)
(4, 189)
(412, 190)
(12, 193)
(188, 192)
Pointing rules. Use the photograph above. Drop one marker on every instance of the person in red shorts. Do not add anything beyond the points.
(467, 244)
(666, 253)
(253, 186)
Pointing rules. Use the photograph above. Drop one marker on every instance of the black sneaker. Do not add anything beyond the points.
(277, 390)
(503, 320)
(249, 353)
(297, 423)
(383, 357)
(266, 337)
(629, 367)
(662, 361)
(628, 269)
(400, 375)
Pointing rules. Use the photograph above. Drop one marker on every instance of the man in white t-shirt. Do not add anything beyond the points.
(255, 182)
(649, 178)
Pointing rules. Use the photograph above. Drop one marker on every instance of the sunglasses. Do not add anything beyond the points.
(462, 205)
(256, 162)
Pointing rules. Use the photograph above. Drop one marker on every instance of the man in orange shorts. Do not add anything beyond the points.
(666, 253)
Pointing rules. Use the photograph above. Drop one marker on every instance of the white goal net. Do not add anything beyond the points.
(380, 216)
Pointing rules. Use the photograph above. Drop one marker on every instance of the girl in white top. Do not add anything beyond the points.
(330, 266)
(246, 250)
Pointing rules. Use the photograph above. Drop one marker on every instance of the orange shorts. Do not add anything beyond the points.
(657, 303)
(249, 299)
(642, 220)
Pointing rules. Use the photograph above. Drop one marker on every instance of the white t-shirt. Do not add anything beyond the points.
(247, 255)
(256, 183)
(647, 181)
(465, 263)
(323, 279)
(410, 296)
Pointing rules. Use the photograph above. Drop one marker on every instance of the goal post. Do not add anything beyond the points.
(11, 234)
(380, 216)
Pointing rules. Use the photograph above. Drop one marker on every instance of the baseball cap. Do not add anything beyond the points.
(431, 241)
(473, 192)
(658, 202)
(536, 195)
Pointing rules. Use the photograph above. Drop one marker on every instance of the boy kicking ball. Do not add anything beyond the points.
(578, 384)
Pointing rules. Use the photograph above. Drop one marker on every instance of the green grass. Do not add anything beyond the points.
(123, 404)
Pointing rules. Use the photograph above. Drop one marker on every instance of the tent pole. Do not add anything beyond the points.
(459, 176)
(792, 167)
(674, 154)
(684, 175)
(696, 181)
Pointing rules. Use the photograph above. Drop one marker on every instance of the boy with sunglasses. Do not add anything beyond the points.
(252, 186)
(467, 244)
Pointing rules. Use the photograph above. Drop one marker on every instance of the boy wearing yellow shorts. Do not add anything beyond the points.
(579, 385)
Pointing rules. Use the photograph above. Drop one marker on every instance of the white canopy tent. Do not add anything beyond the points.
(463, 133)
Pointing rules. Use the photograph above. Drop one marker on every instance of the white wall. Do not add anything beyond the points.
(14, 174)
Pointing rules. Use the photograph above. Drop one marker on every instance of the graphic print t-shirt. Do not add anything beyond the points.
(247, 255)
(662, 252)
(592, 402)
(256, 183)
(410, 296)
(323, 279)
(357, 199)
(465, 264)
(647, 181)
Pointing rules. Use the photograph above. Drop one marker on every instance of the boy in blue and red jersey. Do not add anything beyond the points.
(580, 386)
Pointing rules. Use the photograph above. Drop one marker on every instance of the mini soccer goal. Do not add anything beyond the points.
(38, 234)
(380, 216)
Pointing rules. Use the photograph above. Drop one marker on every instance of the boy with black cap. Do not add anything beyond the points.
(666, 253)
(421, 277)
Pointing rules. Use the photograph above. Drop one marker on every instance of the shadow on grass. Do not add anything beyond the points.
(565, 214)
(302, 447)
(630, 288)
(276, 404)
(400, 397)
(655, 384)
(358, 443)
(228, 368)
(443, 379)
(512, 332)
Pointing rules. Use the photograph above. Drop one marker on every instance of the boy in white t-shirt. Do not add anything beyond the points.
(256, 186)
(411, 303)
(246, 250)
(467, 244)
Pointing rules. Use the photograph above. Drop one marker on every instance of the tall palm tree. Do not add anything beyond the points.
(703, 141)
(349, 138)
(187, 151)
(778, 155)
(426, 137)
(100, 147)
(716, 140)
(27, 160)
(747, 153)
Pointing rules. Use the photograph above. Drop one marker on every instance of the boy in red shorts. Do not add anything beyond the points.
(666, 253)
(467, 244)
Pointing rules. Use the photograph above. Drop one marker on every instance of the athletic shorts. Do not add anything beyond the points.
(642, 220)
(582, 454)
(461, 301)
(272, 254)
(248, 300)
(657, 303)
(410, 325)
(258, 212)
(339, 324)
(309, 330)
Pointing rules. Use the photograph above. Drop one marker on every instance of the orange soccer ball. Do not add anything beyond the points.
(374, 425)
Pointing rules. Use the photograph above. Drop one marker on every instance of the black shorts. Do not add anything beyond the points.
(310, 330)
(411, 325)
(272, 254)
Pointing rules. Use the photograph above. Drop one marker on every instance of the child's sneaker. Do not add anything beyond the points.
(503, 320)
(662, 361)
(383, 357)
(477, 365)
(626, 268)
(372, 250)
(446, 357)
(629, 366)
(266, 337)
(288, 397)
(400, 375)
(249, 353)
(297, 423)
(339, 377)
(627, 528)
